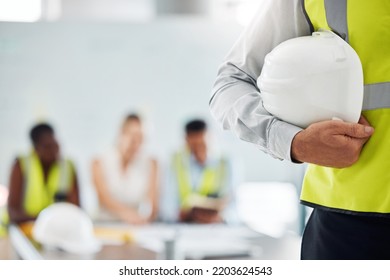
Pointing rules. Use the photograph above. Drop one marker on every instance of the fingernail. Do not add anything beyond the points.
(369, 129)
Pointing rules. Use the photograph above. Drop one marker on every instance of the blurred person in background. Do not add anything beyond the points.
(126, 178)
(41, 178)
(3, 210)
(199, 184)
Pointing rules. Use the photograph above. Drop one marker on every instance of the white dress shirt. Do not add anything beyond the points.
(129, 186)
(236, 101)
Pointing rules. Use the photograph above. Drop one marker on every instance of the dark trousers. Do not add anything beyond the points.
(336, 236)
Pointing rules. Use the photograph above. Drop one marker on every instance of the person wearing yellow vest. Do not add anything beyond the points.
(3, 211)
(40, 178)
(348, 180)
(200, 183)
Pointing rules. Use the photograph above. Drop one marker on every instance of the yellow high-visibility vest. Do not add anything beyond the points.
(365, 186)
(4, 219)
(212, 183)
(39, 194)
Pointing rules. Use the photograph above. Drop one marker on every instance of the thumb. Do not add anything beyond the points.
(356, 130)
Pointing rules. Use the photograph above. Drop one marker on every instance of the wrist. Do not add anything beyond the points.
(296, 149)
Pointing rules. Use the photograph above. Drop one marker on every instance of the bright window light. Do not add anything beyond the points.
(246, 11)
(20, 10)
(270, 208)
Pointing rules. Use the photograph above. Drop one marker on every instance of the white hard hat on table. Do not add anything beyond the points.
(312, 78)
(67, 227)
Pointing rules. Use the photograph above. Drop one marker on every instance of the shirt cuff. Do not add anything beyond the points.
(280, 137)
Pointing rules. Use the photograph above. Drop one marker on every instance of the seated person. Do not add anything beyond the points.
(3, 210)
(198, 186)
(126, 178)
(41, 177)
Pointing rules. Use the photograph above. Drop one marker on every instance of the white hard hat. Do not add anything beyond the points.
(67, 227)
(312, 78)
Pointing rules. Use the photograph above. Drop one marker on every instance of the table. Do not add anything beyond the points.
(171, 241)
(6, 250)
(26, 248)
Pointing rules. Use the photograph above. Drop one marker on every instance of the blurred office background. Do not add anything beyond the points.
(83, 64)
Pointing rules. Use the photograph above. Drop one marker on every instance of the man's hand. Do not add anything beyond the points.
(205, 216)
(200, 215)
(331, 143)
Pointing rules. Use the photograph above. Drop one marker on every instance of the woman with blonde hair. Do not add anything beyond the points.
(126, 177)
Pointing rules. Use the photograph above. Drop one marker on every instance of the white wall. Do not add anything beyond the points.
(84, 77)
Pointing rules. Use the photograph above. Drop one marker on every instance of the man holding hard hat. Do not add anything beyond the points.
(348, 179)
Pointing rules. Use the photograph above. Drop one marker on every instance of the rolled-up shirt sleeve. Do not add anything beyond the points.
(236, 100)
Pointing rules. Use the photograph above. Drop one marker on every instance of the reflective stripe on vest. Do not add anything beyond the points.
(39, 194)
(211, 183)
(365, 186)
(376, 96)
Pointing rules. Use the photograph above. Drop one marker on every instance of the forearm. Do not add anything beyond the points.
(16, 211)
(154, 213)
(74, 195)
(117, 208)
(248, 119)
(236, 101)
(106, 200)
(185, 215)
(17, 215)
